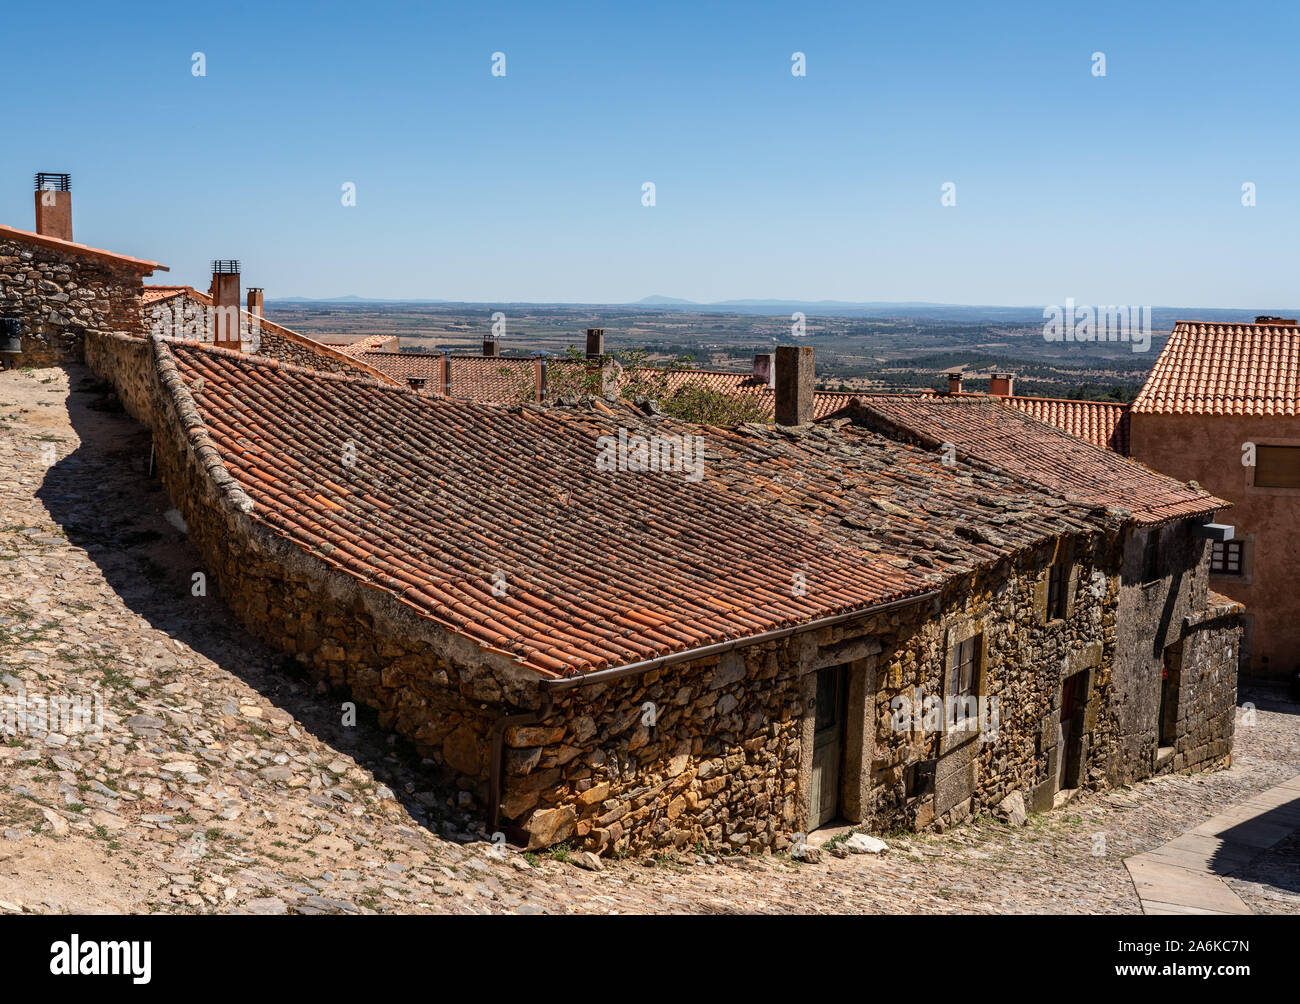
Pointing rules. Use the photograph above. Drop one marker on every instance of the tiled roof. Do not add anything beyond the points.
(1225, 369)
(825, 403)
(600, 568)
(156, 294)
(1101, 423)
(141, 265)
(499, 379)
(1014, 442)
(370, 343)
(405, 365)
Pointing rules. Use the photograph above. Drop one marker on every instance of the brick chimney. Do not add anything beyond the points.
(954, 381)
(794, 384)
(1000, 384)
(490, 347)
(763, 368)
(1269, 319)
(54, 205)
(595, 343)
(225, 297)
(255, 300)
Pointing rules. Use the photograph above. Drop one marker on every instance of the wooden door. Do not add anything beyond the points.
(1069, 722)
(828, 745)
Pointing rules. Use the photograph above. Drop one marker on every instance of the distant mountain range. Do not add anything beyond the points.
(1161, 317)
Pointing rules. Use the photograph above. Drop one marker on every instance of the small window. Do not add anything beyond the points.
(1151, 556)
(1225, 558)
(1057, 578)
(1277, 467)
(963, 672)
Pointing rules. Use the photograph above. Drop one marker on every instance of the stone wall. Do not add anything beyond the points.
(58, 296)
(439, 690)
(1150, 620)
(189, 317)
(1206, 661)
(726, 761)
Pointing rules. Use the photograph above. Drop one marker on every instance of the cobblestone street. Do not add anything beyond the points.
(224, 781)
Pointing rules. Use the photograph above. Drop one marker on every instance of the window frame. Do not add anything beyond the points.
(1228, 548)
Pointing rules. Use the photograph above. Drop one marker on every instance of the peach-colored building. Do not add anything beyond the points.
(1222, 408)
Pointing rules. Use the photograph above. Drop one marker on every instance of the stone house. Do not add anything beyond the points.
(827, 624)
(1164, 553)
(53, 290)
(1222, 407)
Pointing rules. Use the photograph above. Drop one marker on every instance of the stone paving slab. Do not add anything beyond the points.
(1184, 874)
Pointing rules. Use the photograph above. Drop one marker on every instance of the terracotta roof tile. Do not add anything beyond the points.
(602, 568)
(1101, 423)
(1225, 369)
(1015, 442)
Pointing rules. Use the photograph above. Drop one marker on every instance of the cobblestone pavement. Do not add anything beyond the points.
(222, 781)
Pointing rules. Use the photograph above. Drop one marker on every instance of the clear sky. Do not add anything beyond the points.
(1122, 189)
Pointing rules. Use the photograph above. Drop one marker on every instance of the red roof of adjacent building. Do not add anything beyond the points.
(141, 265)
(601, 568)
(1225, 369)
(1101, 423)
(985, 430)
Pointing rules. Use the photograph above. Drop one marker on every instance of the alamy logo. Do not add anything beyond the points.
(21, 714)
(199, 323)
(659, 454)
(1098, 324)
(75, 957)
(933, 714)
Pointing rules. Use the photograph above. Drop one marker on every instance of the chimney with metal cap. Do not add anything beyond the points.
(54, 205)
(225, 299)
(794, 384)
(595, 343)
(954, 381)
(255, 300)
(491, 347)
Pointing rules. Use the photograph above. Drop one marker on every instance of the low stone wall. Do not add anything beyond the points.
(189, 317)
(1207, 698)
(437, 689)
(59, 296)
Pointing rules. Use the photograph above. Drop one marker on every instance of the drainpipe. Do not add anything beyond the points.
(497, 769)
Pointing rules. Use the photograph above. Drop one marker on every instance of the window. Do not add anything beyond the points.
(1057, 578)
(1225, 558)
(963, 673)
(1277, 466)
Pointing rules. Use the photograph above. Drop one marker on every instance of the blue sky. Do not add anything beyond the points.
(1118, 189)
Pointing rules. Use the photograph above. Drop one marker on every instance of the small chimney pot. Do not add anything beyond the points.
(595, 343)
(491, 347)
(763, 368)
(1001, 384)
(954, 382)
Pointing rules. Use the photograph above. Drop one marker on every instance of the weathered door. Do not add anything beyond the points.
(828, 745)
(1070, 698)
